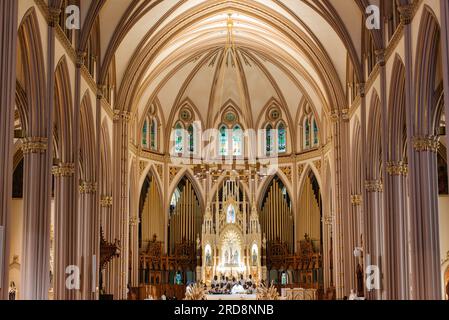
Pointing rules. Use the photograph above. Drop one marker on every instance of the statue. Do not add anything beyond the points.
(254, 257)
(208, 258)
(236, 257)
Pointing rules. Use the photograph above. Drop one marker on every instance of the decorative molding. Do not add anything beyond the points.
(406, 13)
(34, 145)
(427, 143)
(356, 199)
(397, 168)
(287, 171)
(53, 16)
(362, 89)
(300, 171)
(374, 186)
(134, 221)
(80, 59)
(380, 57)
(142, 166)
(160, 171)
(88, 187)
(106, 201)
(120, 115)
(318, 165)
(64, 170)
(173, 173)
(328, 220)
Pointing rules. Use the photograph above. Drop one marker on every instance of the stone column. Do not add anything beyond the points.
(134, 225)
(65, 229)
(395, 221)
(8, 53)
(373, 228)
(38, 162)
(35, 277)
(445, 56)
(106, 218)
(120, 207)
(342, 252)
(425, 273)
(88, 239)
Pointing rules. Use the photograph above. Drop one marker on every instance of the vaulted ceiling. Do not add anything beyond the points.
(287, 50)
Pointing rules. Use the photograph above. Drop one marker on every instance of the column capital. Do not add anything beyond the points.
(34, 145)
(106, 201)
(406, 13)
(64, 170)
(87, 187)
(397, 168)
(426, 143)
(374, 186)
(121, 115)
(335, 116)
(356, 199)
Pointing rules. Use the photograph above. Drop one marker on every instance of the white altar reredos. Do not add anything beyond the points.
(231, 237)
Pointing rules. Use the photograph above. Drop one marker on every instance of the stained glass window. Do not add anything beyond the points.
(179, 141)
(307, 134)
(237, 137)
(315, 133)
(190, 132)
(153, 133)
(230, 217)
(269, 139)
(145, 134)
(223, 141)
(282, 138)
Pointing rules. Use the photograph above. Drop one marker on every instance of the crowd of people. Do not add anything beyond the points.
(226, 285)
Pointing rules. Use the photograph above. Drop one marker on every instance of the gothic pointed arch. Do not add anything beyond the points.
(63, 110)
(87, 139)
(428, 53)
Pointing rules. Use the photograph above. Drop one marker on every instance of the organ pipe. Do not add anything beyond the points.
(309, 213)
(185, 220)
(276, 216)
(152, 215)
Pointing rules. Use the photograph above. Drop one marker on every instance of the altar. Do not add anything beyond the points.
(231, 297)
(231, 240)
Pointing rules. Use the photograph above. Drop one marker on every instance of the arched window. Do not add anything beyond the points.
(316, 139)
(145, 134)
(307, 134)
(269, 139)
(237, 141)
(153, 134)
(230, 216)
(191, 134)
(223, 141)
(179, 138)
(282, 138)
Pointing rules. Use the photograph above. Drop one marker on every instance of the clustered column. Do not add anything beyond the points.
(120, 209)
(8, 53)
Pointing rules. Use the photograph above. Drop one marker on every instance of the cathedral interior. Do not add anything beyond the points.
(153, 145)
